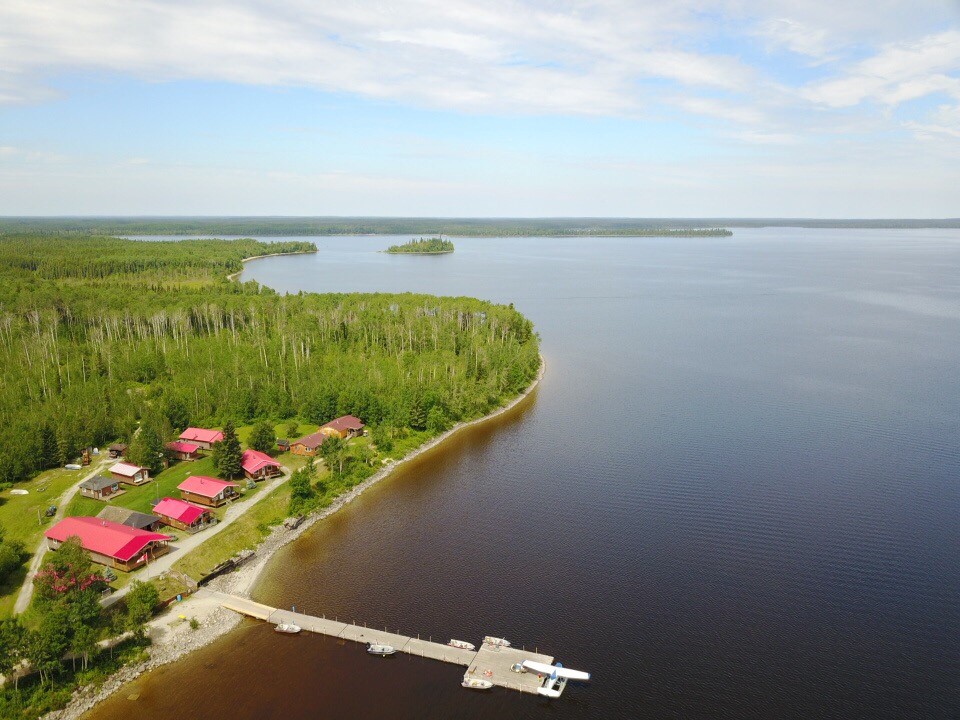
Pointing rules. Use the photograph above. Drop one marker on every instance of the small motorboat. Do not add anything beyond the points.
(287, 628)
(462, 644)
(476, 684)
(518, 667)
(378, 649)
(496, 642)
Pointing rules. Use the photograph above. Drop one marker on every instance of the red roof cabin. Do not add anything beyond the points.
(346, 427)
(259, 466)
(110, 543)
(183, 450)
(308, 445)
(201, 437)
(183, 515)
(130, 474)
(207, 490)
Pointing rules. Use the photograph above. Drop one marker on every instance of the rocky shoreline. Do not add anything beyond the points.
(172, 636)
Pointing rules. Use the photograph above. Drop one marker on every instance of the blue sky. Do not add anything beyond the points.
(495, 108)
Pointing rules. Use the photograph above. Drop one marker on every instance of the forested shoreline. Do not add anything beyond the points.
(422, 246)
(456, 227)
(98, 333)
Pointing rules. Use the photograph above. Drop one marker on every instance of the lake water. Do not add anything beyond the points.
(734, 495)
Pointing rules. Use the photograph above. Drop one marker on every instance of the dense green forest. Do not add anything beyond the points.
(98, 332)
(458, 227)
(423, 246)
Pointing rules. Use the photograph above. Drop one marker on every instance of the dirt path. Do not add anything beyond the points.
(26, 590)
(182, 547)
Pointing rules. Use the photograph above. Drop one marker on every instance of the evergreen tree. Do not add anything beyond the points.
(263, 437)
(418, 414)
(229, 454)
(146, 448)
(13, 649)
(176, 412)
(46, 645)
(11, 555)
(301, 489)
(293, 428)
(334, 453)
(49, 450)
(66, 444)
(382, 438)
(142, 600)
(436, 420)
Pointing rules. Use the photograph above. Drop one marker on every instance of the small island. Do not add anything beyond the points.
(423, 246)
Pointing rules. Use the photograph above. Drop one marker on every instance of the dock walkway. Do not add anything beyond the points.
(488, 663)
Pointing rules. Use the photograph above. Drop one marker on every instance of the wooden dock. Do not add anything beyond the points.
(488, 663)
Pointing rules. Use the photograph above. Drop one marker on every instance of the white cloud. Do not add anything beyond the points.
(945, 122)
(690, 61)
(723, 109)
(796, 36)
(498, 56)
(898, 72)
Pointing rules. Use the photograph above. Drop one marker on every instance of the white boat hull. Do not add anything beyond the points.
(496, 642)
(477, 684)
(382, 650)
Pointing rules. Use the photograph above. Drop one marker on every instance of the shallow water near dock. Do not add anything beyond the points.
(734, 495)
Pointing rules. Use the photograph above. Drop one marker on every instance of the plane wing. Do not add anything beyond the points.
(561, 672)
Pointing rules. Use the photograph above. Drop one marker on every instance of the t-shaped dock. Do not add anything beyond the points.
(490, 662)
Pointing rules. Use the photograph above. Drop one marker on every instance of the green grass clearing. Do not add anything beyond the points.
(247, 531)
(18, 513)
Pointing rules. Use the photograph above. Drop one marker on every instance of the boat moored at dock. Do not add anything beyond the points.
(462, 644)
(287, 628)
(476, 684)
(495, 641)
(494, 663)
(378, 649)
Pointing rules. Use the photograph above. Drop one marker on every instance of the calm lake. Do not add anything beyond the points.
(734, 495)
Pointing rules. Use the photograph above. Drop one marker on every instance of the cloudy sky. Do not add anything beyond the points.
(799, 108)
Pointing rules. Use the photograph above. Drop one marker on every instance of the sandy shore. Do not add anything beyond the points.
(232, 276)
(171, 633)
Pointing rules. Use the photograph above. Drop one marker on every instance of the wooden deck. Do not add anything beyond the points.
(488, 663)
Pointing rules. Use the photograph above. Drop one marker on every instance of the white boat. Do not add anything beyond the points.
(378, 649)
(555, 677)
(288, 628)
(462, 644)
(476, 684)
(496, 642)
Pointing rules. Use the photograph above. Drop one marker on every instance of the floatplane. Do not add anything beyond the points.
(555, 677)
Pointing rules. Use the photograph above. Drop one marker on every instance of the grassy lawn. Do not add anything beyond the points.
(243, 431)
(140, 498)
(245, 532)
(168, 586)
(18, 513)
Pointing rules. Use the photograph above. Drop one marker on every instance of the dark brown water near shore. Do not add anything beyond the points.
(734, 494)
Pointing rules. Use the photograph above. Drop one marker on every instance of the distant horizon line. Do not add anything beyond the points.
(485, 218)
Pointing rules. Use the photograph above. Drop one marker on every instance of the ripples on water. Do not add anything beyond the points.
(734, 495)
